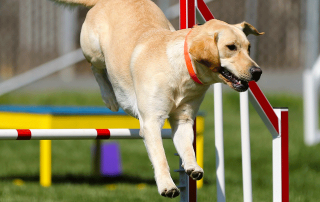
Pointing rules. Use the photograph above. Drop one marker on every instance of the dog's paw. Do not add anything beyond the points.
(167, 188)
(171, 193)
(196, 173)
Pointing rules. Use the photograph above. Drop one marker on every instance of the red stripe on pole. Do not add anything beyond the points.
(285, 155)
(24, 134)
(191, 13)
(264, 103)
(193, 183)
(204, 10)
(103, 134)
(183, 14)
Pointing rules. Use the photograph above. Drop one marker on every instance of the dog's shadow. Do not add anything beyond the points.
(83, 179)
(90, 179)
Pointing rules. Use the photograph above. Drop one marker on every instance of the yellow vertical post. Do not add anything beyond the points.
(45, 163)
(200, 156)
(200, 131)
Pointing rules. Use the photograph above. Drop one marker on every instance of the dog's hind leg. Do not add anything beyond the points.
(182, 130)
(106, 89)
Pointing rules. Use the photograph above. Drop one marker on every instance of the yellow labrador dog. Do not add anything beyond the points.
(139, 62)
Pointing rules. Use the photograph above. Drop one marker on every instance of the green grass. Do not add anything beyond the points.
(71, 161)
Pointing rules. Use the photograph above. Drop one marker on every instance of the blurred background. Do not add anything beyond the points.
(34, 33)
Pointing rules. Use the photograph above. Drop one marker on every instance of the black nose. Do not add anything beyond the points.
(256, 73)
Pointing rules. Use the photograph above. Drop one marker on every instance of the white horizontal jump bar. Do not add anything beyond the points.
(67, 134)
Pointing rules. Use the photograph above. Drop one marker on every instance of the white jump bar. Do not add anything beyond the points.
(72, 134)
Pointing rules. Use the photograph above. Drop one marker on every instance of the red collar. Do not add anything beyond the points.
(189, 62)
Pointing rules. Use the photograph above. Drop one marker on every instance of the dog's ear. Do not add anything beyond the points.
(204, 50)
(248, 29)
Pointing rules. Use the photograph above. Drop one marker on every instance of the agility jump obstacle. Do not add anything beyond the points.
(188, 187)
(56, 117)
(276, 120)
(41, 117)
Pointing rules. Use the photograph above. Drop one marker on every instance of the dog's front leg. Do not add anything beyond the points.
(182, 130)
(151, 133)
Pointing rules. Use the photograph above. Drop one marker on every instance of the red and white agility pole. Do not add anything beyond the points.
(72, 134)
(276, 120)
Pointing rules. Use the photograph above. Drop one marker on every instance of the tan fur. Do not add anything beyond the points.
(205, 51)
(138, 60)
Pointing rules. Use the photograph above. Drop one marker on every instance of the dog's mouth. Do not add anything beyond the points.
(233, 81)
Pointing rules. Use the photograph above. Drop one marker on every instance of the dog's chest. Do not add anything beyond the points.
(189, 93)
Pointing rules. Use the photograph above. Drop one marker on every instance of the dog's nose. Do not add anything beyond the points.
(256, 73)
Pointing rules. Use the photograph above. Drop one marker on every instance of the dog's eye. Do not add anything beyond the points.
(232, 47)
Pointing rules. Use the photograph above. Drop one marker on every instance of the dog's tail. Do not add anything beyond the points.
(86, 3)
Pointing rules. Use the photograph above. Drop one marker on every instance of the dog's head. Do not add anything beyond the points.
(222, 52)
